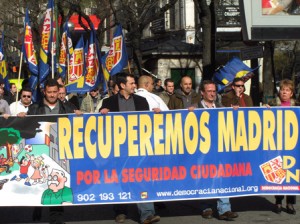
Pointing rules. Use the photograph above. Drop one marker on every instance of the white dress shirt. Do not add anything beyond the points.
(153, 100)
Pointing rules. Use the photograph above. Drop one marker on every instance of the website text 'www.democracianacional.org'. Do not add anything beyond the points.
(225, 190)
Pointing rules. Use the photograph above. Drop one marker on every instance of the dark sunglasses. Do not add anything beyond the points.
(26, 96)
(94, 90)
(240, 86)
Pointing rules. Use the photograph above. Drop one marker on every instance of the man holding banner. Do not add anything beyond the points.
(51, 105)
(145, 88)
(208, 91)
(126, 100)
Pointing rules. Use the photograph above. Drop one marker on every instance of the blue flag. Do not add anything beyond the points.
(92, 74)
(116, 58)
(30, 56)
(235, 68)
(76, 78)
(46, 42)
(3, 70)
(66, 49)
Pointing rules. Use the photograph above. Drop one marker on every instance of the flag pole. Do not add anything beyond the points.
(106, 81)
(19, 77)
(52, 57)
(129, 69)
(53, 44)
(52, 64)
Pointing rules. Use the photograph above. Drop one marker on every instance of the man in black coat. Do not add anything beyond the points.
(125, 97)
(126, 100)
(50, 105)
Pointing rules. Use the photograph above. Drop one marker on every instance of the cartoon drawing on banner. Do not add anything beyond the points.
(57, 192)
(27, 165)
(24, 164)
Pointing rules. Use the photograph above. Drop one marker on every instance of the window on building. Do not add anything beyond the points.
(176, 16)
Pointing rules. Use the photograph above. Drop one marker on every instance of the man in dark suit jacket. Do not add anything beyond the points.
(126, 100)
(126, 95)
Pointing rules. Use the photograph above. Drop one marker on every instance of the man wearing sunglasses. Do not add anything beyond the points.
(20, 107)
(236, 97)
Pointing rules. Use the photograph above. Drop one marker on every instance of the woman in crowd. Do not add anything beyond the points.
(286, 98)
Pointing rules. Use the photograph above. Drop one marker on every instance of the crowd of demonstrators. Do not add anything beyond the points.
(168, 91)
(126, 100)
(123, 96)
(285, 98)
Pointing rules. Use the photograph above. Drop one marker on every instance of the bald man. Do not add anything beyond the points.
(184, 97)
(145, 88)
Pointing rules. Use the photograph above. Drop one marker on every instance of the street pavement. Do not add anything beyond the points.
(254, 209)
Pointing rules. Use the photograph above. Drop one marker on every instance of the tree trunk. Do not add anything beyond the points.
(205, 16)
(135, 37)
(8, 150)
(268, 72)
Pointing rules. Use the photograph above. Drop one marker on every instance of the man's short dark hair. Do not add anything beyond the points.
(237, 80)
(122, 78)
(157, 80)
(11, 84)
(168, 80)
(51, 83)
(25, 89)
(206, 82)
(25, 83)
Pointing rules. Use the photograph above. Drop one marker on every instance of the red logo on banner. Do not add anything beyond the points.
(272, 170)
